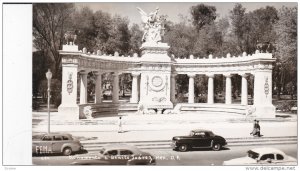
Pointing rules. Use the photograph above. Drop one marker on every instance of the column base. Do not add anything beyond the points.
(265, 111)
(70, 112)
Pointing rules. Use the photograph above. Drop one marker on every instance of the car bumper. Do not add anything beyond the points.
(174, 146)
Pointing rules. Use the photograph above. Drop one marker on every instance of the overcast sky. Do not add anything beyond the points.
(173, 9)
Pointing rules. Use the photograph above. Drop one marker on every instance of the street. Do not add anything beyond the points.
(169, 157)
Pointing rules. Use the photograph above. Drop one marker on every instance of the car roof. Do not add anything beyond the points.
(201, 130)
(122, 146)
(264, 150)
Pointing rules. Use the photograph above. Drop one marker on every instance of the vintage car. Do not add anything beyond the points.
(116, 154)
(199, 138)
(263, 156)
(55, 143)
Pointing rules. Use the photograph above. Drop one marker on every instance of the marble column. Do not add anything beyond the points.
(83, 87)
(173, 86)
(228, 89)
(115, 95)
(98, 88)
(244, 97)
(210, 92)
(191, 88)
(134, 90)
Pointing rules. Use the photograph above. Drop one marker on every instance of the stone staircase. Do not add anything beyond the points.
(108, 109)
(203, 108)
(128, 108)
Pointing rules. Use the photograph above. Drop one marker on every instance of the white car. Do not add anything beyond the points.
(263, 156)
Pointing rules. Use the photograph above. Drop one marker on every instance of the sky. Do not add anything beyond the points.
(173, 9)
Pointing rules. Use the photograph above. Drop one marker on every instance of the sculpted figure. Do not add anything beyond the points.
(152, 26)
(71, 36)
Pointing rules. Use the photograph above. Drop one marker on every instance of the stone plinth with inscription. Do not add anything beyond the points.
(69, 105)
(155, 77)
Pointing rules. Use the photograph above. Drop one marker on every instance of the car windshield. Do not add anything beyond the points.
(252, 154)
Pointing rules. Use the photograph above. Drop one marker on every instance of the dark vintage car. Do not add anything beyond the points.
(116, 154)
(199, 138)
(55, 143)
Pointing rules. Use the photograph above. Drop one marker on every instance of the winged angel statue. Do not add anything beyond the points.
(152, 26)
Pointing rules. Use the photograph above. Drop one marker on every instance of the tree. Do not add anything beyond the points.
(50, 22)
(41, 65)
(203, 15)
(119, 36)
(286, 49)
(84, 21)
(136, 39)
(237, 18)
(181, 38)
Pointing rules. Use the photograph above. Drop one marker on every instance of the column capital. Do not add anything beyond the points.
(228, 75)
(98, 73)
(135, 74)
(173, 75)
(191, 75)
(117, 73)
(84, 72)
(244, 74)
(210, 75)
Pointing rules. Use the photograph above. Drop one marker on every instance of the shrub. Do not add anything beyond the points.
(286, 106)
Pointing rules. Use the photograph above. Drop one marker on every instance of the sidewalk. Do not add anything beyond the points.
(164, 127)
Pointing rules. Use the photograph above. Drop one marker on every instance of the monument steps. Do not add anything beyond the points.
(214, 108)
(113, 109)
(128, 108)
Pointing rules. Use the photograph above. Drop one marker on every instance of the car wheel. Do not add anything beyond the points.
(67, 151)
(216, 147)
(183, 148)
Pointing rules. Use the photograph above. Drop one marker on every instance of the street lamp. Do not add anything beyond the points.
(49, 76)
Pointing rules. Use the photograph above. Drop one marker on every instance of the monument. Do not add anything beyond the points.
(154, 78)
(155, 65)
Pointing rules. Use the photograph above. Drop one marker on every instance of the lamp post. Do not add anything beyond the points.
(49, 76)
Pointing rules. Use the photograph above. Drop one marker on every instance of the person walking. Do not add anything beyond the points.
(253, 132)
(256, 129)
(120, 123)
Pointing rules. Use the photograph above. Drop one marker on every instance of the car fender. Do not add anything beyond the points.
(66, 145)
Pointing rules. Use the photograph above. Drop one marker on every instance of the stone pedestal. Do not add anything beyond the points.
(68, 106)
(263, 94)
(155, 82)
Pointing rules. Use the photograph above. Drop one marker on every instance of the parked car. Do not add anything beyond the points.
(199, 138)
(263, 156)
(116, 154)
(55, 143)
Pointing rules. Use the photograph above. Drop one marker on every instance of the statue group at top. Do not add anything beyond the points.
(152, 25)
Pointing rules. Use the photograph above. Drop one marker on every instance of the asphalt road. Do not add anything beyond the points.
(171, 158)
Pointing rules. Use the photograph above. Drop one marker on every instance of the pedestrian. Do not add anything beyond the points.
(256, 129)
(120, 125)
